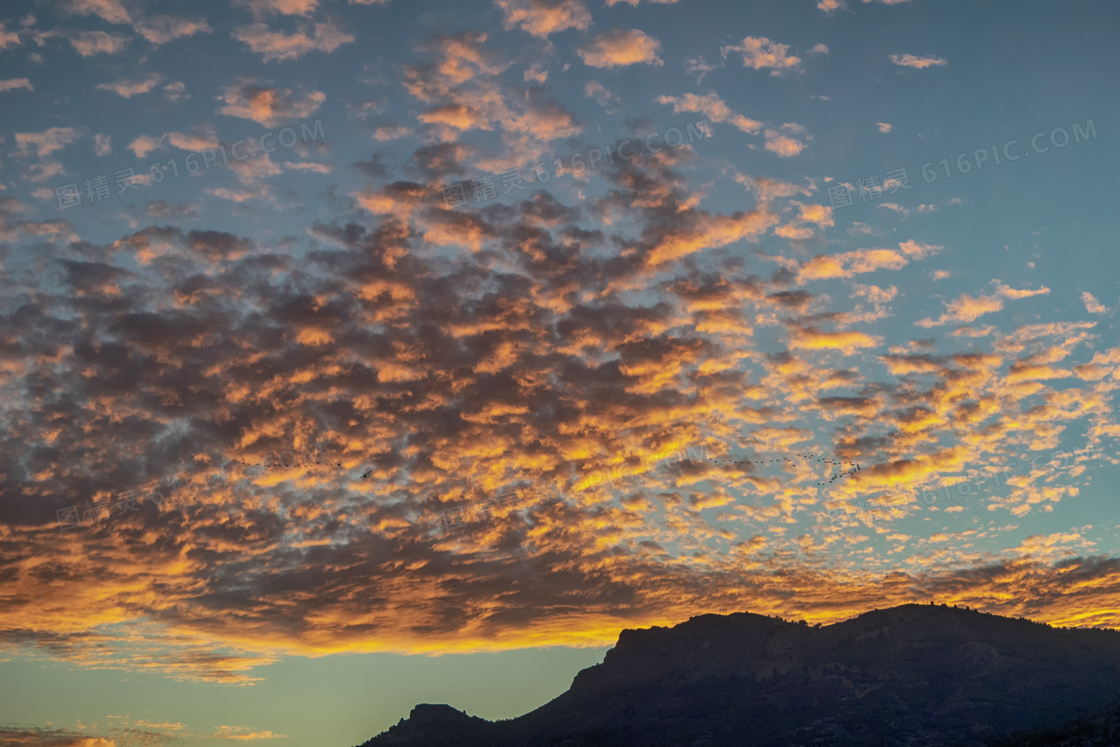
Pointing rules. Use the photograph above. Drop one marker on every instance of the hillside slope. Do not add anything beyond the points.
(910, 675)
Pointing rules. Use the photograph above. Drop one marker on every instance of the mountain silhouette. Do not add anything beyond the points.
(909, 675)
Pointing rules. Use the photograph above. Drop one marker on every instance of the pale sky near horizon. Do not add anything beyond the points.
(805, 306)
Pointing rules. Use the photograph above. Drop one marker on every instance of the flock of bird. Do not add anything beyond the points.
(286, 466)
(301, 464)
(853, 469)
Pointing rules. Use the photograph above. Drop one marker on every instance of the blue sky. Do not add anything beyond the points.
(466, 437)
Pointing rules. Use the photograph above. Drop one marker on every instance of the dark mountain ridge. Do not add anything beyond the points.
(909, 675)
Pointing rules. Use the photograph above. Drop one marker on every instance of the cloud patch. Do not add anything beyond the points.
(918, 62)
(544, 17)
(127, 88)
(761, 53)
(14, 84)
(276, 46)
(620, 48)
(268, 106)
(713, 107)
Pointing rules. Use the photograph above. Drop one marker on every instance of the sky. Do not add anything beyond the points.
(359, 354)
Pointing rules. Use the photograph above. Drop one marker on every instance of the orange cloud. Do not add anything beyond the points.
(760, 52)
(276, 46)
(709, 232)
(965, 308)
(782, 144)
(920, 63)
(713, 107)
(620, 48)
(1092, 305)
(541, 18)
(812, 339)
(268, 106)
